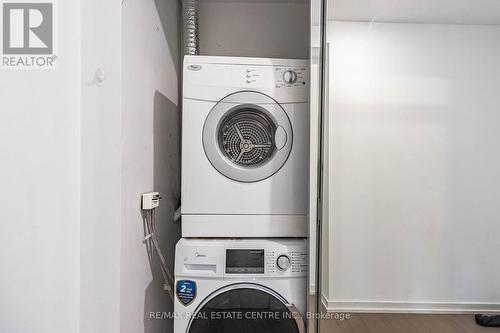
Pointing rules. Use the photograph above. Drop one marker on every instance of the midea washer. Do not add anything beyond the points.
(240, 286)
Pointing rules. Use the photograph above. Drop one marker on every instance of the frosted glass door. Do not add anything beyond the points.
(413, 157)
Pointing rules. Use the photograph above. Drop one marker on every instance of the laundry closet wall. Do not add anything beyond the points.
(151, 153)
(272, 29)
(100, 167)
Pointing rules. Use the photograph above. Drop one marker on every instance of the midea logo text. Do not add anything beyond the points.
(28, 35)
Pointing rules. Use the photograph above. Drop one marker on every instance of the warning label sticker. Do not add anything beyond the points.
(186, 291)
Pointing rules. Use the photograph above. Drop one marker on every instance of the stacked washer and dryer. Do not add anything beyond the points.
(241, 265)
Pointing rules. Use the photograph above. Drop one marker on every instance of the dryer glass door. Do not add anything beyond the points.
(247, 136)
(246, 309)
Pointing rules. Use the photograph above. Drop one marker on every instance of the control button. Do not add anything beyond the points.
(283, 262)
(290, 77)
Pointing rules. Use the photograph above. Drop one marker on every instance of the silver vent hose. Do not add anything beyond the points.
(191, 27)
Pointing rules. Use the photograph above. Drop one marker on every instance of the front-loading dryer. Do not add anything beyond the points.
(245, 139)
(240, 286)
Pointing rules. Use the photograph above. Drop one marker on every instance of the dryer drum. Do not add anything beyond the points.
(246, 137)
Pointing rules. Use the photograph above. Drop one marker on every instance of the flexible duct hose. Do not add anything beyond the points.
(191, 27)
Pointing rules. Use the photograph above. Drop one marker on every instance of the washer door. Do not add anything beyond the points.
(247, 136)
(245, 308)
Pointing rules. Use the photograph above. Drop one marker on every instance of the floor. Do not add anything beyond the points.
(404, 323)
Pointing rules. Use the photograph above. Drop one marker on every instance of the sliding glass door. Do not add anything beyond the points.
(409, 192)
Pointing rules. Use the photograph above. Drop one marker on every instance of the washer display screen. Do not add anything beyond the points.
(240, 261)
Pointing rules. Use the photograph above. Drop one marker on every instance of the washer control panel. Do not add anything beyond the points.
(241, 258)
(292, 262)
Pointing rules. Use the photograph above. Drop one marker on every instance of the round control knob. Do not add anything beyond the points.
(283, 262)
(290, 77)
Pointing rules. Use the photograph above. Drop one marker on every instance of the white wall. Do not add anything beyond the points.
(74, 163)
(100, 167)
(135, 43)
(414, 220)
(150, 97)
(39, 191)
(272, 29)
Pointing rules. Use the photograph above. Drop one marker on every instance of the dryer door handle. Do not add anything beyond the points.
(297, 317)
(280, 138)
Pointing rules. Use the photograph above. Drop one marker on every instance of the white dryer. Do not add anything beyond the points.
(240, 286)
(245, 139)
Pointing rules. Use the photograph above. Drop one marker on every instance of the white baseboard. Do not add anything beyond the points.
(409, 307)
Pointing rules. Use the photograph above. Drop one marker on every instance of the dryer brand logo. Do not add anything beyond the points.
(28, 34)
(194, 67)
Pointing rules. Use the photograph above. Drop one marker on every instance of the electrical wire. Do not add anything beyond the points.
(146, 240)
(151, 241)
(163, 264)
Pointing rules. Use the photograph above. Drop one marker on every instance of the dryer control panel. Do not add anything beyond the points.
(267, 76)
(291, 77)
(210, 79)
